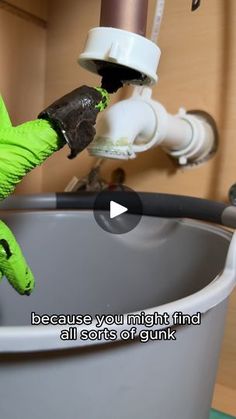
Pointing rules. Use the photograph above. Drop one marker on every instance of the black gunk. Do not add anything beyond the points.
(73, 117)
(6, 247)
(114, 76)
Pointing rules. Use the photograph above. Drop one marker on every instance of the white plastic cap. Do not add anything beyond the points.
(121, 47)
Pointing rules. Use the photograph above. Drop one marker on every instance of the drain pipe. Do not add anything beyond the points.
(129, 15)
(140, 123)
(118, 50)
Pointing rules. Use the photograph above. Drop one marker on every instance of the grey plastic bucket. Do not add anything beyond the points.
(161, 266)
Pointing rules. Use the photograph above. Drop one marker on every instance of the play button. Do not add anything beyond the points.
(117, 210)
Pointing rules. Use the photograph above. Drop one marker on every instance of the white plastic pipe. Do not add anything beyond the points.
(123, 124)
(172, 132)
(178, 133)
(140, 123)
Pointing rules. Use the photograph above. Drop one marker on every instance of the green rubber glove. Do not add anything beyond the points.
(22, 148)
(70, 120)
(12, 262)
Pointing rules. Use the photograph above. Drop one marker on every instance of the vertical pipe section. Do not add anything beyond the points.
(129, 15)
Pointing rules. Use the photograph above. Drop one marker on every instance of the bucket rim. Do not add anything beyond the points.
(14, 339)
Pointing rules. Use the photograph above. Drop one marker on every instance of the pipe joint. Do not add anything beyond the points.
(138, 124)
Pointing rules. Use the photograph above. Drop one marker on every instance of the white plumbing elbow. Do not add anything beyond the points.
(122, 125)
(140, 123)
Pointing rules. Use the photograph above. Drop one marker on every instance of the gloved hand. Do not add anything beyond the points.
(69, 120)
(12, 263)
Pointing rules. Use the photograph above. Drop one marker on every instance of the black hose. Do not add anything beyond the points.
(153, 204)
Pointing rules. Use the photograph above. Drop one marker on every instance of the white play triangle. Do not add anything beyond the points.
(116, 209)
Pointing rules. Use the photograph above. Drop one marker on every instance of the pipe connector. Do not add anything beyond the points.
(204, 138)
(117, 47)
(139, 123)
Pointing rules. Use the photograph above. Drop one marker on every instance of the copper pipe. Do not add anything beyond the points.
(130, 15)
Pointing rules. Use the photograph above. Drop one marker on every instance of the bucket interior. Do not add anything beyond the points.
(79, 268)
